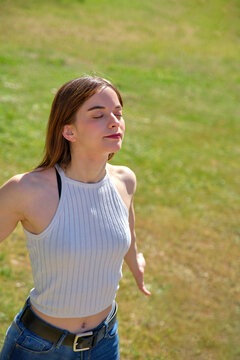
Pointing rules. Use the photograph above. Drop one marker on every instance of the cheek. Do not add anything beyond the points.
(92, 127)
(122, 126)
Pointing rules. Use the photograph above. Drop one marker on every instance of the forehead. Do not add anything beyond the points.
(106, 97)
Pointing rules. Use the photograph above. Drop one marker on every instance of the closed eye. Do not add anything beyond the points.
(97, 117)
(100, 116)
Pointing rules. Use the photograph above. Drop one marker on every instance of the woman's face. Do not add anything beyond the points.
(99, 126)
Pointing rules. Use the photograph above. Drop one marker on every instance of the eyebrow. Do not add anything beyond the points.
(102, 107)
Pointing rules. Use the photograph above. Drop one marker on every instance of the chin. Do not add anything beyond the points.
(115, 148)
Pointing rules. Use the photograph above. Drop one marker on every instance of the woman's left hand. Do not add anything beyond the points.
(140, 274)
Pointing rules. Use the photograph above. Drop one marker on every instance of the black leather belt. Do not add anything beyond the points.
(79, 342)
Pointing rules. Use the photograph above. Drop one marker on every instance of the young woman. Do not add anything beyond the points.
(77, 213)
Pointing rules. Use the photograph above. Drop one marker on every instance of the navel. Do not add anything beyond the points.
(83, 325)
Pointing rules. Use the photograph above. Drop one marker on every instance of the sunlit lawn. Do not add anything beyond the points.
(177, 66)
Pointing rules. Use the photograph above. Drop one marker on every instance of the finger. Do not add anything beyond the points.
(142, 287)
(145, 291)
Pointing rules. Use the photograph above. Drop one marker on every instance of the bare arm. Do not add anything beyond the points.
(10, 207)
(135, 260)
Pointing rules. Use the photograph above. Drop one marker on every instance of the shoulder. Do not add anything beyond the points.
(125, 175)
(24, 185)
(14, 185)
(13, 196)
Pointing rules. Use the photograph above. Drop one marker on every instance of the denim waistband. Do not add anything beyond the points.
(28, 304)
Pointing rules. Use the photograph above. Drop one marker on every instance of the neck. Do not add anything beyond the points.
(87, 169)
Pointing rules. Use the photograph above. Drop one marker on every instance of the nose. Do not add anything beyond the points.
(114, 121)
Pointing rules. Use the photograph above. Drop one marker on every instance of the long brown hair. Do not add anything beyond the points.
(67, 101)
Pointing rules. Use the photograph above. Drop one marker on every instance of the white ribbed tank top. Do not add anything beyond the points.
(77, 260)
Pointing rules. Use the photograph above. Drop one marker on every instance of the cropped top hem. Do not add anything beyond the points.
(69, 315)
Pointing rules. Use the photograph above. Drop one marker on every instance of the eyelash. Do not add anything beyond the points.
(98, 117)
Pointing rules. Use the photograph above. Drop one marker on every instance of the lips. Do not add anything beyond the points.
(114, 136)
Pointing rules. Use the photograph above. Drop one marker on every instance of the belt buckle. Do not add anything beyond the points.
(76, 339)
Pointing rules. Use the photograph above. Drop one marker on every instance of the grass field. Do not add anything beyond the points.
(176, 64)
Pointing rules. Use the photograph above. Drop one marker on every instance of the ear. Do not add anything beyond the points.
(68, 133)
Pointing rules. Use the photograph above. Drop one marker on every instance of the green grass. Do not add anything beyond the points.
(176, 64)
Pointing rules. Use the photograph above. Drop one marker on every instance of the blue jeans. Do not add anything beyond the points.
(22, 344)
